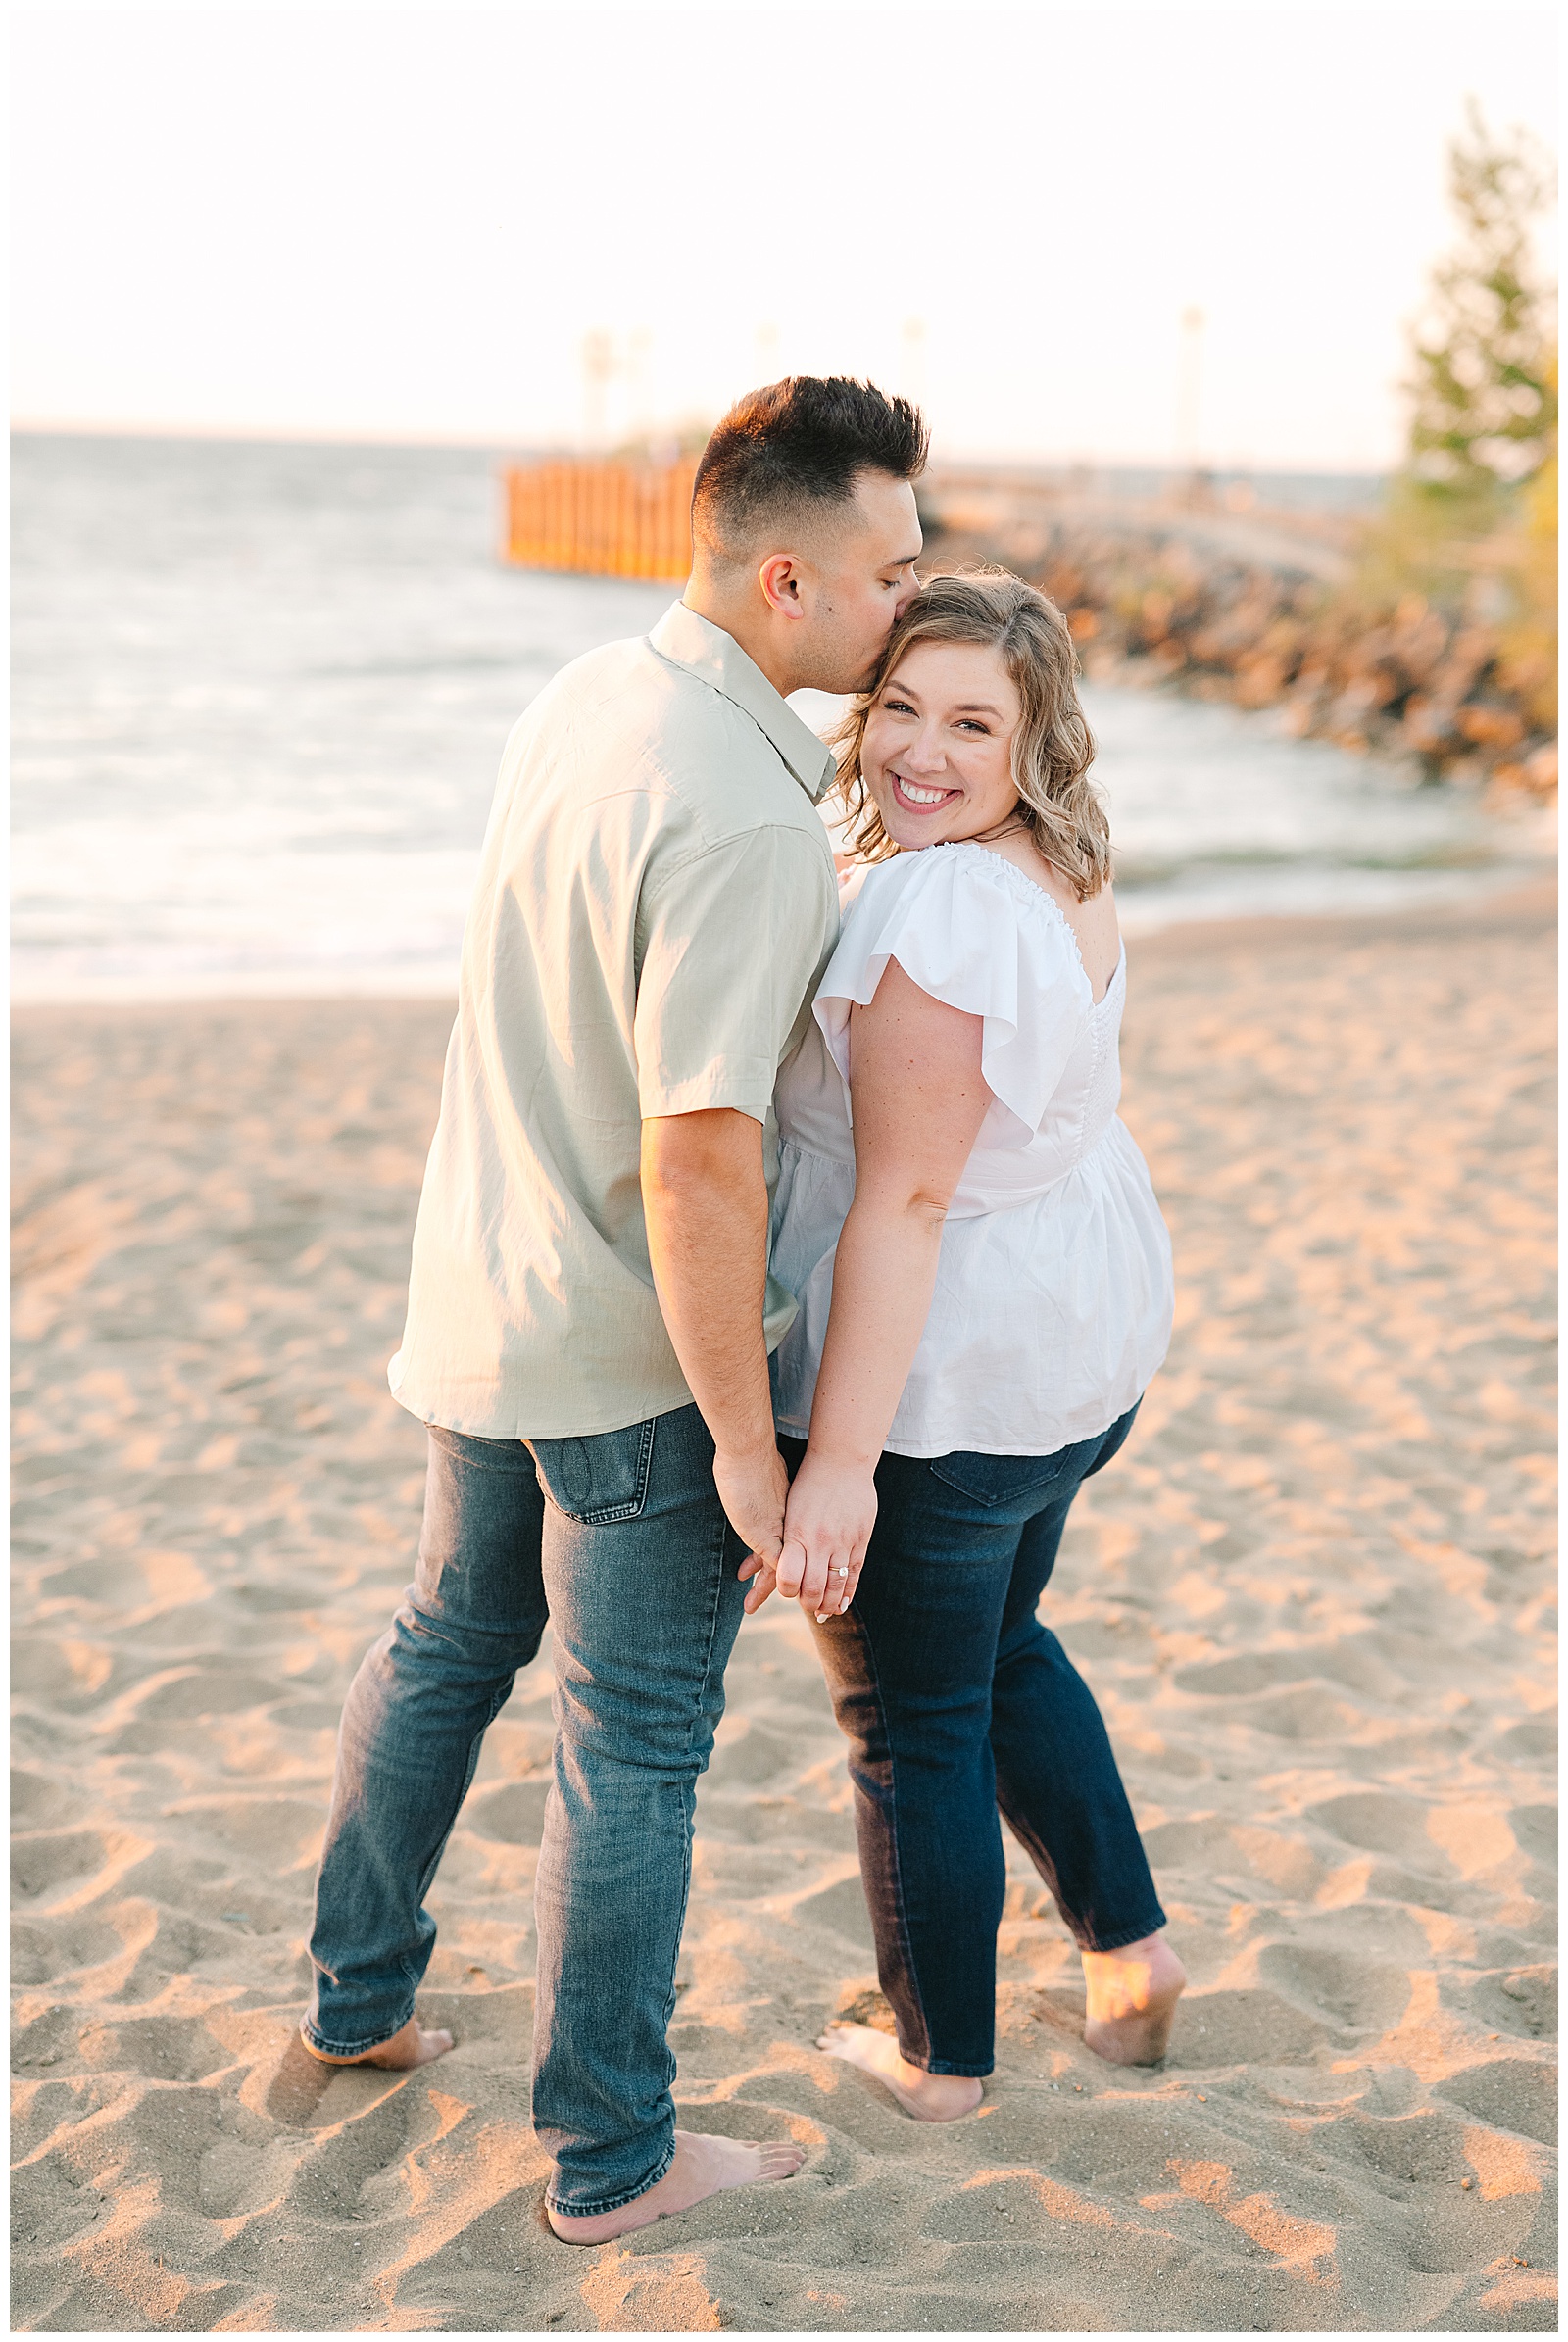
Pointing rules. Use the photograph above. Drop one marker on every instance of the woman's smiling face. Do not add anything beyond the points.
(937, 752)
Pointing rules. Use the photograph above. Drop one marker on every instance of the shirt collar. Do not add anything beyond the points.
(706, 649)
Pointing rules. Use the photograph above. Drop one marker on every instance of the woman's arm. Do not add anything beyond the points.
(919, 1099)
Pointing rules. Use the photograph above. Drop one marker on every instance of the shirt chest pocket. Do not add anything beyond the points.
(599, 1479)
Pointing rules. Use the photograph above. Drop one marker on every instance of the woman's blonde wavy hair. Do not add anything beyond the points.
(1052, 748)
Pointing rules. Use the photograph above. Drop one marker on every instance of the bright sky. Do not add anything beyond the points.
(403, 223)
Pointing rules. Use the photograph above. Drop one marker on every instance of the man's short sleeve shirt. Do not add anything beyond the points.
(655, 906)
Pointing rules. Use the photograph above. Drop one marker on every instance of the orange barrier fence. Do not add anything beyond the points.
(601, 519)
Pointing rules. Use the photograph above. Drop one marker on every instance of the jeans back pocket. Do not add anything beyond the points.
(597, 1478)
(1007, 1480)
(1002, 1480)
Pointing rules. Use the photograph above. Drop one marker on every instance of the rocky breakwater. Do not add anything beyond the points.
(1219, 597)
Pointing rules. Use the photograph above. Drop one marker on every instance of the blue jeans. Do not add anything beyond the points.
(620, 1541)
(956, 1701)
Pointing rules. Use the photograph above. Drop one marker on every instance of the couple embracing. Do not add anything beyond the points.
(770, 1247)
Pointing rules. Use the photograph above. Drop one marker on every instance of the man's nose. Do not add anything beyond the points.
(912, 587)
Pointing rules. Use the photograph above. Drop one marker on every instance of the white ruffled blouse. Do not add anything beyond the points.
(1053, 1301)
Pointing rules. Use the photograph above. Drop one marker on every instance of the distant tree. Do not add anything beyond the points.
(1528, 664)
(1483, 389)
(1469, 522)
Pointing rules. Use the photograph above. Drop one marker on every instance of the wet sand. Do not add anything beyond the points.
(1312, 1598)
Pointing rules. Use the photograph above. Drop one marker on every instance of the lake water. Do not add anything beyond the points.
(261, 692)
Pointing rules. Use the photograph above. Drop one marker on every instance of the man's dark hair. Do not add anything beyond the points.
(800, 441)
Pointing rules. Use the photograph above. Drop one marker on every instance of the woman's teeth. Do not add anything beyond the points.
(922, 796)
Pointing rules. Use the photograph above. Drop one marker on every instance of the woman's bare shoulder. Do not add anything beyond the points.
(1096, 928)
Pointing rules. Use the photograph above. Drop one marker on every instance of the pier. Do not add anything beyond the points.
(601, 519)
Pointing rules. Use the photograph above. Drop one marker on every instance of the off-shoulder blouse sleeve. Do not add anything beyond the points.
(962, 925)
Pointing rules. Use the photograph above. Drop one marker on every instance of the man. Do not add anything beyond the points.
(590, 1314)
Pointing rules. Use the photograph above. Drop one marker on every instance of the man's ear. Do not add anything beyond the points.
(779, 578)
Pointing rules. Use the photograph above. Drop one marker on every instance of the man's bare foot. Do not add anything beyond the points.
(703, 2165)
(1132, 1995)
(928, 2097)
(412, 2046)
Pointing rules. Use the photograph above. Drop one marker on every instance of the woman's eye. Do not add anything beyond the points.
(898, 707)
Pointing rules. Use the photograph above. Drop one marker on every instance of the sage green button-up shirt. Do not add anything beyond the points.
(654, 905)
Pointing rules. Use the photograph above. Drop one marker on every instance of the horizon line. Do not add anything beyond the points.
(368, 435)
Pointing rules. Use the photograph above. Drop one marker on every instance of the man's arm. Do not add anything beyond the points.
(705, 1200)
(736, 939)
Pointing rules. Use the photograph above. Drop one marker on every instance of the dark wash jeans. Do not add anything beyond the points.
(955, 1702)
(620, 1541)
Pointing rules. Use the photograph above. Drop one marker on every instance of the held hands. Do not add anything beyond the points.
(751, 1487)
(827, 1526)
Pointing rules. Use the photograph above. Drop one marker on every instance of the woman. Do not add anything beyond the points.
(985, 1292)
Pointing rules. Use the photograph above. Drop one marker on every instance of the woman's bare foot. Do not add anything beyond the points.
(1132, 1995)
(412, 2046)
(703, 2165)
(929, 2097)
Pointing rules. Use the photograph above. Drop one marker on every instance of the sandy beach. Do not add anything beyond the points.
(1313, 1599)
